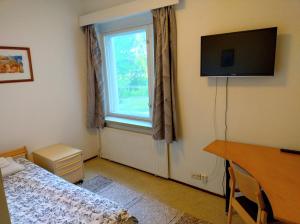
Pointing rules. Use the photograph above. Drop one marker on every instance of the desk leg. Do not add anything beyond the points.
(227, 193)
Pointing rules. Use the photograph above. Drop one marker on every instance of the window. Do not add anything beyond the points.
(129, 73)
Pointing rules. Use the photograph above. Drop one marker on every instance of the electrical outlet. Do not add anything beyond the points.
(204, 178)
(197, 176)
(201, 176)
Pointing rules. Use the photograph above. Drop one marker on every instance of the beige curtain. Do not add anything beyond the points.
(95, 79)
(165, 50)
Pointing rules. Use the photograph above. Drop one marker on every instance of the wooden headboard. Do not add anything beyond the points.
(19, 152)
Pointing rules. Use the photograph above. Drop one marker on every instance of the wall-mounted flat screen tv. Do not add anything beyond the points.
(245, 53)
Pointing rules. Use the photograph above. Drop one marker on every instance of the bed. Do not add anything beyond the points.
(35, 195)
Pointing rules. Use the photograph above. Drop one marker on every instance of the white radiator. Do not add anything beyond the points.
(135, 150)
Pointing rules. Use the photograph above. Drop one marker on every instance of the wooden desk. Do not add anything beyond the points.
(278, 173)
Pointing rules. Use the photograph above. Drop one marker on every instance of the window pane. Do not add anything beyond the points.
(128, 74)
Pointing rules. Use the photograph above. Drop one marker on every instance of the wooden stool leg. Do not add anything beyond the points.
(263, 217)
(231, 196)
(229, 215)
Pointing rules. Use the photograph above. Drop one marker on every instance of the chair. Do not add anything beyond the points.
(250, 206)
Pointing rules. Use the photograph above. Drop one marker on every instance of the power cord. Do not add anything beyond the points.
(226, 124)
(215, 108)
(226, 110)
(225, 131)
(215, 123)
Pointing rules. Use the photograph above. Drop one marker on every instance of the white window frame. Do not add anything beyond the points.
(150, 65)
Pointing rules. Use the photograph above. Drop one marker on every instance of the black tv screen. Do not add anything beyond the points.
(245, 53)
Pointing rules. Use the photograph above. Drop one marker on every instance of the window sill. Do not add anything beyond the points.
(143, 127)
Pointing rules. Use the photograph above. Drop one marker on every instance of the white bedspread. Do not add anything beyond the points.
(36, 196)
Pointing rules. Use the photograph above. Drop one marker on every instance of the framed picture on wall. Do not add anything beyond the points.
(15, 64)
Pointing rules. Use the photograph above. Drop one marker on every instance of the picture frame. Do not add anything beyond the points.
(15, 65)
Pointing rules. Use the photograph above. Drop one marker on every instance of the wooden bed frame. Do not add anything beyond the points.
(19, 152)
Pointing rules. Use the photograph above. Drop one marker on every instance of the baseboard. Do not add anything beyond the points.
(93, 157)
(179, 182)
(198, 188)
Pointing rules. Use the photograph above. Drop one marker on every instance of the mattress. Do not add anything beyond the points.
(35, 195)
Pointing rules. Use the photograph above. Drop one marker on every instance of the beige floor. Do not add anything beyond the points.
(179, 196)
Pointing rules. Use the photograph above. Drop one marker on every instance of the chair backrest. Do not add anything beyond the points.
(250, 188)
(247, 185)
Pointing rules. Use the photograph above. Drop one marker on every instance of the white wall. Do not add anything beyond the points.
(136, 150)
(261, 110)
(51, 109)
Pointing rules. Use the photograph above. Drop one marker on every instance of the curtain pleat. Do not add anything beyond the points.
(95, 81)
(165, 53)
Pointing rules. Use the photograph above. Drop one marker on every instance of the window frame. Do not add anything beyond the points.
(150, 69)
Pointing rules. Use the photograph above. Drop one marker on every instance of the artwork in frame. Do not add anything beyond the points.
(15, 64)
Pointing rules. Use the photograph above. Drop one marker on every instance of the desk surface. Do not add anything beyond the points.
(278, 173)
